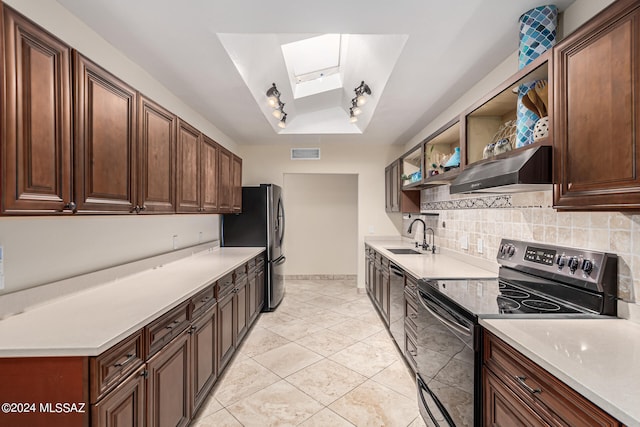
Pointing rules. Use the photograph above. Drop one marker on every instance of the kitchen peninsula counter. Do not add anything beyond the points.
(88, 322)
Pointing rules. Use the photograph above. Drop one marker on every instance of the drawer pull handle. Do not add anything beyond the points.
(413, 353)
(192, 330)
(125, 361)
(413, 316)
(521, 380)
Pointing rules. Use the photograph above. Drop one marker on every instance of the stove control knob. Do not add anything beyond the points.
(503, 249)
(511, 250)
(573, 264)
(587, 266)
(561, 260)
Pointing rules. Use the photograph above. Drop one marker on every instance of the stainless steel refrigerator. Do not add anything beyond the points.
(261, 223)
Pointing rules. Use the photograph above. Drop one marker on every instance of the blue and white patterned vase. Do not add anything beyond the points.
(537, 33)
(525, 118)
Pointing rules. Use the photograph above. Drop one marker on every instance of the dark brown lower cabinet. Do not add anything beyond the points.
(168, 386)
(519, 392)
(227, 309)
(123, 406)
(242, 314)
(260, 284)
(204, 367)
(501, 408)
(252, 301)
(382, 287)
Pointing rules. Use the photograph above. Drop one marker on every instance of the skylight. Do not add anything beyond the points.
(314, 64)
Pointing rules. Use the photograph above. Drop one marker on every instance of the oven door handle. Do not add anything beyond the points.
(450, 323)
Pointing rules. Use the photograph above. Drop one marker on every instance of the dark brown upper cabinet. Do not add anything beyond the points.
(225, 194)
(105, 140)
(36, 146)
(156, 158)
(188, 172)
(209, 178)
(597, 115)
(236, 184)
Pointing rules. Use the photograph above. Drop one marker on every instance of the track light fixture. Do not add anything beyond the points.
(273, 99)
(359, 100)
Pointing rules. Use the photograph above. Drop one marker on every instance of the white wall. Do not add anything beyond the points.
(269, 163)
(46, 249)
(40, 250)
(322, 224)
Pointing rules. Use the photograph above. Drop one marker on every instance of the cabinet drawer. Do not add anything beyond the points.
(162, 330)
(225, 286)
(202, 301)
(240, 272)
(251, 266)
(110, 367)
(550, 397)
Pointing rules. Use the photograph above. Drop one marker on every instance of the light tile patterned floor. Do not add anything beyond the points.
(323, 358)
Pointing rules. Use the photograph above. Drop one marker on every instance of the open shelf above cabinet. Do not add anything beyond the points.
(438, 149)
(412, 169)
(494, 117)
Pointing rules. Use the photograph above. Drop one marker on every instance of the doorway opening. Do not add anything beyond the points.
(322, 225)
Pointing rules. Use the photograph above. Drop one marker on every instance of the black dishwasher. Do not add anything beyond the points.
(396, 304)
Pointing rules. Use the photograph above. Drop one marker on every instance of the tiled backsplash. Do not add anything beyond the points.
(530, 217)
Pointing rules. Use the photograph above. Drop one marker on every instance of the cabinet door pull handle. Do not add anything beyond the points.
(144, 373)
(70, 206)
(125, 361)
(413, 353)
(521, 380)
(192, 330)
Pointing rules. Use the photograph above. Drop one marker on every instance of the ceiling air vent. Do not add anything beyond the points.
(305, 154)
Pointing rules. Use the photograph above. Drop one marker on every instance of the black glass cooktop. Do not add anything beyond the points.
(513, 293)
(515, 300)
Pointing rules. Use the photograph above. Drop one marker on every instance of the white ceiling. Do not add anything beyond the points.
(450, 45)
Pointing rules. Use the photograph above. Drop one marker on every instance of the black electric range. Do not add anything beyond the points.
(534, 280)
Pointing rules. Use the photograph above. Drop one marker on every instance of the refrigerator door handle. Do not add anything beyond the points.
(281, 259)
(280, 222)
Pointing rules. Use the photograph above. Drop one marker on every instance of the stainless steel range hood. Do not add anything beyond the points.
(528, 170)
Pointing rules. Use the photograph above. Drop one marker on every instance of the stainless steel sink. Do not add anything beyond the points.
(403, 251)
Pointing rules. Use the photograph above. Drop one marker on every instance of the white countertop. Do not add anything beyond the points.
(443, 265)
(91, 321)
(599, 358)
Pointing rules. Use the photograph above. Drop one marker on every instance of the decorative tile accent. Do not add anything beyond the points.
(493, 202)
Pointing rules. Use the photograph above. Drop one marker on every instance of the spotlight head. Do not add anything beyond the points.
(352, 116)
(273, 96)
(283, 122)
(361, 100)
(277, 113)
